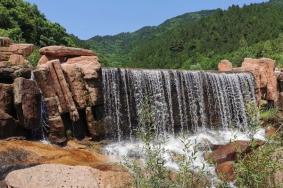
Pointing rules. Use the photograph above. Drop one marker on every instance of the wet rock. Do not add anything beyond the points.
(6, 98)
(231, 151)
(62, 51)
(225, 171)
(29, 153)
(225, 66)
(5, 42)
(27, 102)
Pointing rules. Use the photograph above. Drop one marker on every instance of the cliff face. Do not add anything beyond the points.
(69, 81)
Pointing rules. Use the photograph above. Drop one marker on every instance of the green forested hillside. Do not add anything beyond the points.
(199, 40)
(23, 22)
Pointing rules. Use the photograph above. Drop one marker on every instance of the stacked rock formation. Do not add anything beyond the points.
(70, 81)
(264, 73)
(19, 97)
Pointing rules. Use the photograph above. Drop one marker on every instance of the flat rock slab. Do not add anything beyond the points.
(54, 175)
(61, 51)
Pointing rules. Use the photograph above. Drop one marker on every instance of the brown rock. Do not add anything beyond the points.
(53, 106)
(225, 171)
(57, 175)
(16, 59)
(75, 80)
(95, 127)
(7, 125)
(4, 56)
(230, 151)
(225, 66)
(263, 71)
(51, 80)
(27, 99)
(270, 131)
(57, 131)
(62, 51)
(89, 66)
(5, 41)
(21, 49)
(6, 98)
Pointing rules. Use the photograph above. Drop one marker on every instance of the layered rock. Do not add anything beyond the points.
(72, 76)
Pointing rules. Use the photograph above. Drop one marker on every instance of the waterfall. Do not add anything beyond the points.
(180, 101)
(44, 127)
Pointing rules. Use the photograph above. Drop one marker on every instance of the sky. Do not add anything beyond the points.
(88, 18)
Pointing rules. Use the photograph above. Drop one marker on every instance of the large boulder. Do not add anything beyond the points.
(225, 66)
(27, 100)
(21, 49)
(231, 151)
(263, 71)
(52, 82)
(56, 175)
(16, 59)
(20, 153)
(62, 51)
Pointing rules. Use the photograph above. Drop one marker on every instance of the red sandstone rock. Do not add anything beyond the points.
(5, 41)
(27, 102)
(225, 171)
(21, 49)
(51, 80)
(61, 51)
(225, 66)
(57, 130)
(16, 59)
(230, 151)
(5, 56)
(263, 71)
(75, 80)
(53, 106)
(6, 98)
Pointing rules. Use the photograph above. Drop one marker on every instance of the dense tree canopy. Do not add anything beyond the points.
(199, 40)
(23, 22)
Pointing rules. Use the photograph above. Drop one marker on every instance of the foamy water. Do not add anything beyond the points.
(197, 145)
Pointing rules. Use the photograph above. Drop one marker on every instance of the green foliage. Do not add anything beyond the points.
(200, 40)
(253, 112)
(154, 173)
(34, 57)
(256, 169)
(269, 114)
(23, 22)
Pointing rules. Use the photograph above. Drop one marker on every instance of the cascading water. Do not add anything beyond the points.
(181, 101)
(200, 108)
(43, 118)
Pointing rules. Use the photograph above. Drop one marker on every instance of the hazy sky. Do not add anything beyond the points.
(87, 18)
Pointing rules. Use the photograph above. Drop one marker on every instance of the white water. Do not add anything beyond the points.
(201, 142)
